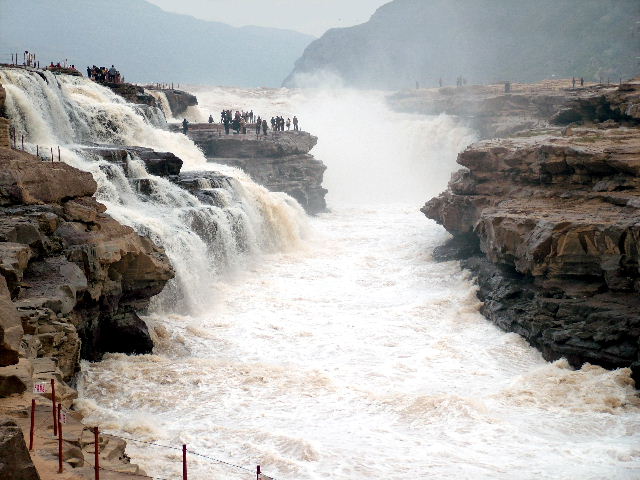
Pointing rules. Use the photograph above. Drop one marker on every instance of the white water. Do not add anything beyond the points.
(353, 355)
(200, 240)
(356, 356)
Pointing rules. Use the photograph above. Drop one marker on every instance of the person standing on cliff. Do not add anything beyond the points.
(295, 123)
(258, 126)
(185, 126)
(265, 127)
(288, 124)
(112, 74)
(582, 81)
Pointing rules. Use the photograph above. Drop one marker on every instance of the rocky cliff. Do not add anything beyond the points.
(492, 112)
(409, 41)
(178, 100)
(72, 280)
(550, 223)
(279, 161)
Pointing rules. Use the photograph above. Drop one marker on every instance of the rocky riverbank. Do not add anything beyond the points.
(72, 281)
(279, 161)
(492, 112)
(549, 221)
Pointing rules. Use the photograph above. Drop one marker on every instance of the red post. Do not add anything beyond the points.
(96, 454)
(59, 439)
(38, 151)
(58, 152)
(53, 406)
(23, 143)
(51, 154)
(184, 462)
(258, 472)
(33, 422)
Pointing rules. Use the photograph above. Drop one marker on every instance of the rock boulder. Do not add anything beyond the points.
(15, 461)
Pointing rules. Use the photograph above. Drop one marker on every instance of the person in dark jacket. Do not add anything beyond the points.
(265, 127)
(295, 123)
(185, 126)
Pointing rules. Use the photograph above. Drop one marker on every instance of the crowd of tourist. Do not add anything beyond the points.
(240, 120)
(60, 67)
(104, 74)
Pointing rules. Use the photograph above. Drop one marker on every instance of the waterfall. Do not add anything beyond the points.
(161, 97)
(202, 239)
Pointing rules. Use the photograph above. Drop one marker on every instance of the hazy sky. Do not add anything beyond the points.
(308, 16)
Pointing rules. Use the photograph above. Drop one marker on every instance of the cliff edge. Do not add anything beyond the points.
(72, 280)
(279, 161)
(549, 220)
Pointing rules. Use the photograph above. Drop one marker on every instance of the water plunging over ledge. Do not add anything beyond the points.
(346, 353)
(356, 356)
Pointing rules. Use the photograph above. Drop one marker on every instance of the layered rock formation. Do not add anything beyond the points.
(72, 280)
(492, 112)
(550, 222)
(162, 164)
(279, 161)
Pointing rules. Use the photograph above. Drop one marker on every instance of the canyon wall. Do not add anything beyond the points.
(549, 220)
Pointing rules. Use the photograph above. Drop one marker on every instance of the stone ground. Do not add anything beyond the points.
(77, 445)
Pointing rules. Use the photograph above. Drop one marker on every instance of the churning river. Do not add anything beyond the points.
(348, 353)
(354, 355)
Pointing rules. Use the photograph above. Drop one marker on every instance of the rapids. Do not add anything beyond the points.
(355, 355)
(200, 240)
(332, 347)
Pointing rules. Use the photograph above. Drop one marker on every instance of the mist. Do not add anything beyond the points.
(482, 41)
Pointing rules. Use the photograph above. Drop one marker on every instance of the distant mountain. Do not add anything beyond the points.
(147, 43)
(482, 40)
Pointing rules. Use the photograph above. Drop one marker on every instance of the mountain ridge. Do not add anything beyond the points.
(147, 43)
(484, 41)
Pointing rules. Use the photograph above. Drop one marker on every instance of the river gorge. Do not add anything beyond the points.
(326, 346)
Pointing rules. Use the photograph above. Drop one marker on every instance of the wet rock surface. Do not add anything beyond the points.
(178, 100)
(162, 164)
(132, 93)
(279, 161)
(70, 267)
(72, 281)
(550, 223)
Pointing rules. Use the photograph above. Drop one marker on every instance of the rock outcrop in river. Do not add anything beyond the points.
(550, 222)
(279, 161)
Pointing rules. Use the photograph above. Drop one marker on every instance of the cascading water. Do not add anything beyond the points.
(199, 239)
(355, 356)
(161, 98)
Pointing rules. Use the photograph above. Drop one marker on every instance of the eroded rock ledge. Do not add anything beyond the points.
(280, 161)
(550, 223)
(493, 113)
(72, 280)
